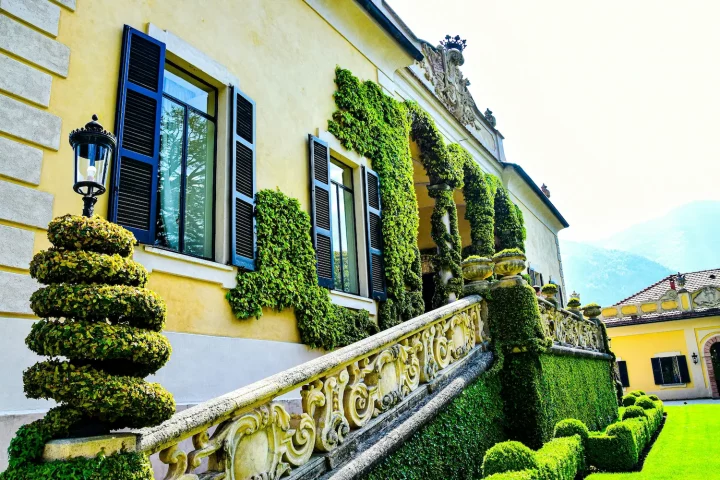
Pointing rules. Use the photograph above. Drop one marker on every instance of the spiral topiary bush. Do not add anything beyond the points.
(101, 330)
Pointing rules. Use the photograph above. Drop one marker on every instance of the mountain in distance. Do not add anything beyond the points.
(685, 240)
(606, 276)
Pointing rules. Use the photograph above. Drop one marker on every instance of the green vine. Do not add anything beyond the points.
(377, 127)
(449, 246)
(286, 276)
(479, 208)
(509, 229)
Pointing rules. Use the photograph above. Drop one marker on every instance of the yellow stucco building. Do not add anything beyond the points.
(242, 84)
(667, 337)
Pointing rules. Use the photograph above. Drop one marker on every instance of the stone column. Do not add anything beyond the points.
(440, 193)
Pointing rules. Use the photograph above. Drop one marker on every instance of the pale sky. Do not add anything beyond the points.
(614, 104)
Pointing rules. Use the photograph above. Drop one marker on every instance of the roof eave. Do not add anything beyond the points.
(523, 174)
(381, 17)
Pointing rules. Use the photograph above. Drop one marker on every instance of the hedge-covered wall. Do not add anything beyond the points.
(453, 444)
(574, 387)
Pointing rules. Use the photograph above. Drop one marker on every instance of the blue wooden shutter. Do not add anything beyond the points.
(683, 367)
(321, 211)
(373, 232)
(137, 126)
(242, 215)
(622, 368)
(657, 370)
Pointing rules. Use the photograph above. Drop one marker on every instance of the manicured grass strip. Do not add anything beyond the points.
(685, 450)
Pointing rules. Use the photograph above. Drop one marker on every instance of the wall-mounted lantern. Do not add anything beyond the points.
(695, 358)
(93, 147)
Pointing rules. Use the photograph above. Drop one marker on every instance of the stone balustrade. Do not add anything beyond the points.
(567, 329)
(672, 301)
(245, 434)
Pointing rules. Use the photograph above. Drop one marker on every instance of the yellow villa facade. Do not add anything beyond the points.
(667, 337)
(258, 77)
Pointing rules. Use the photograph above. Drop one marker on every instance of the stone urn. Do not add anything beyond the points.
(549, 291)
(476, 270)
(592, 311)
(509, 263)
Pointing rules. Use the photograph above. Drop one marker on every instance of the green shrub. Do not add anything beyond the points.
(549, 289)
(109, 337)
(628, 400)
(615, 450)
(508, 252)
(509, 456)
(645, 402)
(452, 445)
(633, 412)
(637, 393)
(479, 205)
(524, 475)
(559, 459)
(654, 398)
(570, 427)
(120, 466)
(92, 234)
(509, 228)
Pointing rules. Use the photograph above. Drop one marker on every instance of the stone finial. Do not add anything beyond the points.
(545, 190)
(490, 117)
(680, 278)
(454, 42)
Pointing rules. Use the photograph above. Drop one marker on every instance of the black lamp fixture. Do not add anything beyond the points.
(93, 146)
(695, 358)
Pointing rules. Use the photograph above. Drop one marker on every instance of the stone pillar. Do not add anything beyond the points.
(442, 228)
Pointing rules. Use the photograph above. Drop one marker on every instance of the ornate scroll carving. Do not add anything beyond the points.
(265, 443)
(567, 329)
(707, 297)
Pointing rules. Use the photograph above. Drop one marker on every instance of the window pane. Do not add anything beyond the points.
(350, 245)
(199, 182)
(189, 90)
(670, 370)
(172, 126)
(335, 227)
(340, 173)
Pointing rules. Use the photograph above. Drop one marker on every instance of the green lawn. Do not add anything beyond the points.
(687, 448)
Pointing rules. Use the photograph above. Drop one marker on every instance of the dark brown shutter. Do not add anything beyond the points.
(242, 204)
(320, 210)
(622, 369)
(657, 371)
(683, 367)
(137, 125)
(373, 230)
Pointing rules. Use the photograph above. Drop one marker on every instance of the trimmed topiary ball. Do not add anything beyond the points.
(570, 427)
(644, 402)
(628, 400)
(633, 412)
(654, 398)
(508, 456)
(101, 329)
(637, 393)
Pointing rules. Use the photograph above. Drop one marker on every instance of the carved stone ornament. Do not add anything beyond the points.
(670, 295)
(441, 67)
(707, 297)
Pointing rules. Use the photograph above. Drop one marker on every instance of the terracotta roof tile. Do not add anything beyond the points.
(694, 280)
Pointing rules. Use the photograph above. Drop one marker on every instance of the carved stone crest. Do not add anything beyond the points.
(441, 67)
(707, 297)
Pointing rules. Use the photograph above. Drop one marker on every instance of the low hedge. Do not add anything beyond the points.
(452, 445)
(120, 401)
(142, 352)
(120, 466)
(628, 400)
(559, 459)
(64, 266)
(618, 449)
(138, 307)
(93, 234)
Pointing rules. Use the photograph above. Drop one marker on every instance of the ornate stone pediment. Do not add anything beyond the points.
(441, 68)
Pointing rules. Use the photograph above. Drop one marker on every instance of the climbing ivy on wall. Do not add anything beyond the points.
(479, 205)
(286, 276)
(509, 229)
(377, 127)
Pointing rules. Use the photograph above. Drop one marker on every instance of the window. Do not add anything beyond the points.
(536, 277)
(623, 372)
(342, 202)
(671, 370)
(186, 172)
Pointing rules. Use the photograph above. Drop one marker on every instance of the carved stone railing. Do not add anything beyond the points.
(568, 329)
(246, 435)
(679, 301)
